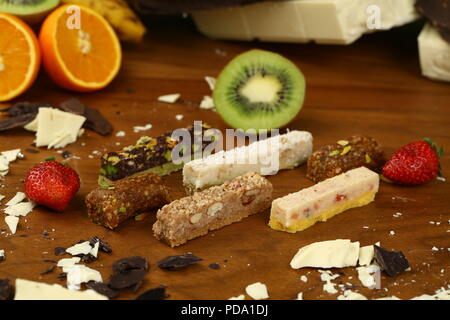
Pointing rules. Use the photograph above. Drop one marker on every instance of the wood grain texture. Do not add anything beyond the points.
(372, 87)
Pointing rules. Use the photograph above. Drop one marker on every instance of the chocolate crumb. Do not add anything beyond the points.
(214, 266)
(59, 251)
(392, 262)
(103, 289)
(66, 154)
(158, 293)
(49, 261)
(23, 235)
(29, 150)
(173, 263)
(48, 270)
(62, 276)
(6, 290)
(88, 258)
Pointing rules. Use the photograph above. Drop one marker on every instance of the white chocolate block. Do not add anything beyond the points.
(322, 21)
(327, 254)
(434, 54)
(30, 290)
(324, 197)
(265, 157)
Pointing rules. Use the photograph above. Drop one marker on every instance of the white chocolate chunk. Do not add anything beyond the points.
(2, 197)
(169, 98)
(11, 155)
(80, 248)
(211, 82)
(239, 297)
(30, 290)
(327, 254)
(78, 274)
(350, 295)
(94, 250)
(19, 197)
(300, 296)
(2, 254)
(12, 223)
(366, 255)
(434, 54)
(257, 291)
(20, 209)
(207, 103)
(365, 275)
(68, 262)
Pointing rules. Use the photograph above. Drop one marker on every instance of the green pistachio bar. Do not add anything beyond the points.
(148, 155)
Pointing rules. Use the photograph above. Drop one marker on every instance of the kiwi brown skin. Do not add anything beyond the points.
(259, 90)
(32, 12)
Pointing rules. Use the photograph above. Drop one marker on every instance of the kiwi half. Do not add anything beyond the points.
(259, 90)
(32, 11)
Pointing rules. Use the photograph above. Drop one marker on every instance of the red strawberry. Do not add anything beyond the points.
(414, 163)
(52, 184)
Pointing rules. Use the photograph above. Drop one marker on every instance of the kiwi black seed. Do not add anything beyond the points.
(259, 90)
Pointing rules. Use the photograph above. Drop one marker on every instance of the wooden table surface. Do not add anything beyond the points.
(372, 87)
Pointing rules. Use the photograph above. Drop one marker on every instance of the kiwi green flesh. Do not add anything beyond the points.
(262, 71)
(27, 7)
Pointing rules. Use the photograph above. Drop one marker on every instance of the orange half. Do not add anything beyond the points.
(80, 50)
(19, 57)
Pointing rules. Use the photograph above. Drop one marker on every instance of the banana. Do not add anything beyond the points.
(121, 17)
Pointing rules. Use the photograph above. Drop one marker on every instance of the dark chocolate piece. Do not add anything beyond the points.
(48, 270)
(59, 251)
(74, 106)
(104, 246)
(6, 290)
(438, 13)
(29, 150)
(128, 264)
(28, 108)
(214, 266)
(62, 276)
(126, 280)
(66, 154)
(173, 263)
(392, 262)
(16, 122)
(50, 261)
(103, 289)
(88, 258)
(158, 293)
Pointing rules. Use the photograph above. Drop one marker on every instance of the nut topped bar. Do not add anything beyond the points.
(213, 208)
(334, 159)
(148, 155)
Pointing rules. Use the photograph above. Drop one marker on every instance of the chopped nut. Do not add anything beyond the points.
(216, 207)
(368, 159)
(346, 150)
(196, 218)
(334, 153)
(343, 143)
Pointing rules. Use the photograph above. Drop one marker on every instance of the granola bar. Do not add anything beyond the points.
(334, 159)
(148, 155)
(212, 209)
(291, 150)
(110, 205)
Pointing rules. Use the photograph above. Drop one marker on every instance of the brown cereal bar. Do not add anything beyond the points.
(110, 205)
(212, 209)
(334, 159)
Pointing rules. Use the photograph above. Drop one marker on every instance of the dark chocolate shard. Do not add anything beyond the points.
(59, 251)
(392, 262)
(28, 108)
(48, 270)
(173, 263)
(214, 266)
(96, 122)
(438, 13)
(88, 258)
(158, 293)
(104, 246)
(15, 122)
(6, 290)
(129, 264)
(103, 289)
(128, 279)
(74, 106)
